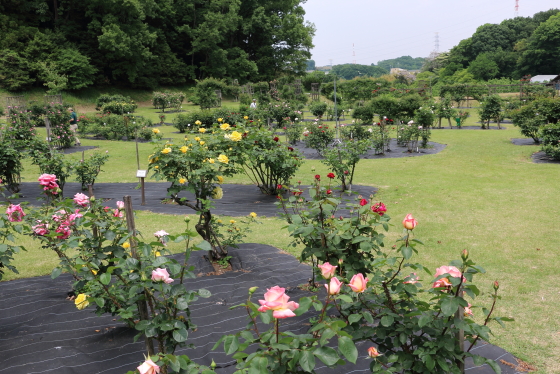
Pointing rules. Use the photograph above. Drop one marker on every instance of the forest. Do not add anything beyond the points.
(147, 43)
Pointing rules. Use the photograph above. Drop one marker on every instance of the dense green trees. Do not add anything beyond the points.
(403, 62)
(349, 71)
(147, 42)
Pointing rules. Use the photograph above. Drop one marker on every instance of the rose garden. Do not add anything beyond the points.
(388, 262)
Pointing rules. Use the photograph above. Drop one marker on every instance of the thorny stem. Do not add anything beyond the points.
(495, 296)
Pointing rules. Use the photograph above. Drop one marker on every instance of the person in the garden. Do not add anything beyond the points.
(74, 125)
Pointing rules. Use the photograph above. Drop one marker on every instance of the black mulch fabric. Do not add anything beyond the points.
(42, 332)
(239, 200)
(543, 158)
(523, 141)
(395, 152)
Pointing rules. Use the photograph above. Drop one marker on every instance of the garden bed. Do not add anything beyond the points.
(42, 332)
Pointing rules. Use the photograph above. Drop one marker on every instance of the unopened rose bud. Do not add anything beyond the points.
(213, 365)
(372, 352)
(340, 261)
(92, 199)
(465, 254)
(187, 219)
(496, 285)
(252, 290)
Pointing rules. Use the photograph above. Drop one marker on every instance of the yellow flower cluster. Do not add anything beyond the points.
(211, 160)
(218, 193)
(224, 126)
(202, 142)
(166, 150)
(81, 301)
(223, 159)
(126, 245)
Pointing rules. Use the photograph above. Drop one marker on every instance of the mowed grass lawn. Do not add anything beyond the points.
(481, 193)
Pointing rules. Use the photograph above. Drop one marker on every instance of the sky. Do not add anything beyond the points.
(367, 31)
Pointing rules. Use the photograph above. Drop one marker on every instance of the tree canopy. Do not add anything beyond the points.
(144, 43)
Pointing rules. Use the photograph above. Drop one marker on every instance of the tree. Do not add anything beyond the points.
(403, 62)
(310, 65)
(350, 71)
(542, 55)
(483, 68)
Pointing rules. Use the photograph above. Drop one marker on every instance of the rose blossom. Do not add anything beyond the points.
(275, 299)
(409, 222)
(379, 208)
(330, 175)
(358, 283)
(118, 213)
(15, 213)
(327, 270)
(49, 183)
(372, 352)
(363, 202)
(161, 275)
(41, 229)
(444, 282)
(148, 367)
(318, 177)
(412, 279)
(120, 205)
(63, 231)
(81, 199)
(161, 234)
(468, 311)
(334, 287)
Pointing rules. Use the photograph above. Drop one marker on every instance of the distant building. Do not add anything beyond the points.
(542, 78)
(554, 82)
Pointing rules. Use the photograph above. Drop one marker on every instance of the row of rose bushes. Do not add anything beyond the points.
(412, 327)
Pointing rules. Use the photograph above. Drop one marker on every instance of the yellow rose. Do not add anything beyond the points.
(182, 180)
(166, 150)
(156, 167)
(220, 179)
(218, 193)
(219, 221)
(81, 301)
(126, 245)
(211, 161)
(224, 126)
(223, 159)
(158, 253)
(184, 149)
(246, 117)
(235, 136)
(202, 130)
(220, 119)
(155, 131)
(94, 271)
(202, 142)
(253, 215)
(186, 139)
(197, 122)
(232, 221)
(197, 139)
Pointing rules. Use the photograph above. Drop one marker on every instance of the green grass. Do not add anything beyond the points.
(481, 193)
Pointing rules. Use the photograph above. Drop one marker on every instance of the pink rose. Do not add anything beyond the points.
(161, 235)
(161, 275)
(444, 282)
(379, 208)
(72, 217)
(148, 367)
(275, 299)
(468, 311)
(15, 213)
(409, 222)
(372, 352)
(120, 205)
(47, 179)
(63, 231)
(327, 270)
(81, 199)
(41, 229)
(358, 283)
(363, 202)
(334, 287)
(412, 279)
(118, 213)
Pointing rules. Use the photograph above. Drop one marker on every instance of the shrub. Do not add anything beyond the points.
(293, 130)
(166, 99)
(318, 108)
(107, 98)
(342, 159)
(528, 121)
(318, 136)
(61, 134)
(10, 164)
(355, 132)
(119, 107)
(51, 162)
(206, 92)
(87, 170)
(364, 113)
(116, 127)
(18, 127)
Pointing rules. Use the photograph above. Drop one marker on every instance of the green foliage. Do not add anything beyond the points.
(318, 108)
(550, 136)
(206, 92)
(483, 68)
(14, 71)
(51, 162)
(59, 119)
(355, 132)
(10, 164)
(318, 136)
(403, 62)
(294, 131)
(350, 71)
(343, 157)
(119, 107)
(115, 127)
(166, 99)
(490, 109)
(109, 98)
(18, 128)
(88, 169)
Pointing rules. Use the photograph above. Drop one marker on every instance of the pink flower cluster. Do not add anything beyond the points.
(48, 181)
(358, 283)
(15, 213)
(161, 275)
(275, 299)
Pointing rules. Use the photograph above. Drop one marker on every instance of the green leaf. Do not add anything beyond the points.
(259, 365)
(345, 298)
(354, 318)
(231, 343)
(304, 305)
(100, 301)
(327, 355)
(105, 278)
(180, 335)
(307, 361)
(347, 347)
(430, 363)
(387, 320)
(182, 303)
(142, 325)
(203, 245)
(110, 235)
(406, 252)
(55, 273)
(424, 320)
(204, 293)
(449, 306)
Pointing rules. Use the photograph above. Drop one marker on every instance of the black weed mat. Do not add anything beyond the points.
(543, 158)
(523, 141)
(239, 199)
(396, 151)
(42, 332)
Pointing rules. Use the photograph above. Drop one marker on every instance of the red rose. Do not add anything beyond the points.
(318, 177)
(329, 191)
(276, 138)
(363, 202)
(330, 175)
(379, 208)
